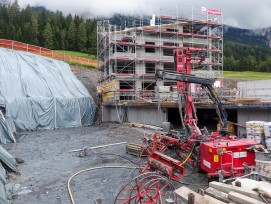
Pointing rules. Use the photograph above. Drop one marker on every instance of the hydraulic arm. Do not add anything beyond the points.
(207, 84)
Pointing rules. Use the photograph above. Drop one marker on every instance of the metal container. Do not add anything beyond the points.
(166, 126)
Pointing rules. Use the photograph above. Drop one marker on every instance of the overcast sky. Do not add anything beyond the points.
(239, 13)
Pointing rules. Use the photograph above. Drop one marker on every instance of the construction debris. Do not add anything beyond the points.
(239, 198)
(144, 126)
(219, 195)
(228, 188)
(183, 194)
(257, 193)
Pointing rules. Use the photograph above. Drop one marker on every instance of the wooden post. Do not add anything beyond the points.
(238, 183)
(191, 198)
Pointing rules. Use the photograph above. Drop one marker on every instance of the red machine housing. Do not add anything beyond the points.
(226, 157)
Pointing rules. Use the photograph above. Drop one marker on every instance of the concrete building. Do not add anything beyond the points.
(130, 54)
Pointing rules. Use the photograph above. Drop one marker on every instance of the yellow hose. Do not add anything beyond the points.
(90, 169)
(186, 159)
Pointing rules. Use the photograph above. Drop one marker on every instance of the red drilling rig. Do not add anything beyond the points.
(220, 153)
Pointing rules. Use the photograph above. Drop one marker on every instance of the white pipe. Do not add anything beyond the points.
(97, 147)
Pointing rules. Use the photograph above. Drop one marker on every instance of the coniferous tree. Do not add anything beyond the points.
(48, 36)
(71, 36)
(34, 30)
(63, 39)
(81, 37)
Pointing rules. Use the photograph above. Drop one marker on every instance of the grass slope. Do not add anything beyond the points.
(78, 54)
(247, 75)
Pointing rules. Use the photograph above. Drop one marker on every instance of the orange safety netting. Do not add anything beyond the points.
(46, 52)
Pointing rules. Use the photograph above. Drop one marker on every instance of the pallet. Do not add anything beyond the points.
(136, 150)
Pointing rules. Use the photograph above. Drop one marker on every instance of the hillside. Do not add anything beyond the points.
(259, 37)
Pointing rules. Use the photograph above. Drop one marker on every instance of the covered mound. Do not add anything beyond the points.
(41, 93)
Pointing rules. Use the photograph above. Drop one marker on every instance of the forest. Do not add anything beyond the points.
(54, 30)
(241, 57)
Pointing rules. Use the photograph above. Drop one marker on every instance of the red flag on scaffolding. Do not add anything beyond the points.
(214, 12)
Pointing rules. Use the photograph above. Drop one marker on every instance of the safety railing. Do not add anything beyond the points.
(152, 95)
(15, 45)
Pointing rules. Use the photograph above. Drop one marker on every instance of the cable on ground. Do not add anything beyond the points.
(91, 169)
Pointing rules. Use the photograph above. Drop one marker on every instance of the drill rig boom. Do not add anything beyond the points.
(207, 84)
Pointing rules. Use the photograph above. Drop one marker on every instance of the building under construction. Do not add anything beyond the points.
(130, 54)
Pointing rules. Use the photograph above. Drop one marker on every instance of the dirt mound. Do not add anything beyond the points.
(89, 77)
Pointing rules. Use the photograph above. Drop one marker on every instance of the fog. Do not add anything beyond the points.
(244, 13)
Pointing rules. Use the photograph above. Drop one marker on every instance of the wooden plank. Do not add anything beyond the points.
(219, 195)
(183, 192)
(227, 188)
(240, 198)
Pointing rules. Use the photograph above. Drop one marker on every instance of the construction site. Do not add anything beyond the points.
(154, 122)
(131, 55)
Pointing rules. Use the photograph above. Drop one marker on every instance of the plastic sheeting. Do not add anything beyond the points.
(5, 132)
(10, 162)
(42, 93)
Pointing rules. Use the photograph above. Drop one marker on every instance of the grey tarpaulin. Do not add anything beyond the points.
(9, 161)
(3, 190)
(4, 133)
(41, 93)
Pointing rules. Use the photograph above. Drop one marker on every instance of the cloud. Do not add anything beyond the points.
(245, 14)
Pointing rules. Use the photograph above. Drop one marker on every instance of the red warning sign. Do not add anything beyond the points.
(214, 12)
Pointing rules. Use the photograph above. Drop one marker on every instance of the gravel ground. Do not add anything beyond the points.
(48, 165)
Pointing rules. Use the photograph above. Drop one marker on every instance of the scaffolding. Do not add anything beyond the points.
(129, 54)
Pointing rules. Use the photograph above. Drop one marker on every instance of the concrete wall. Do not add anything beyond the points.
(244, 115)
(146, 115)
(143, 115)
(255, 89)
(110, 114)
